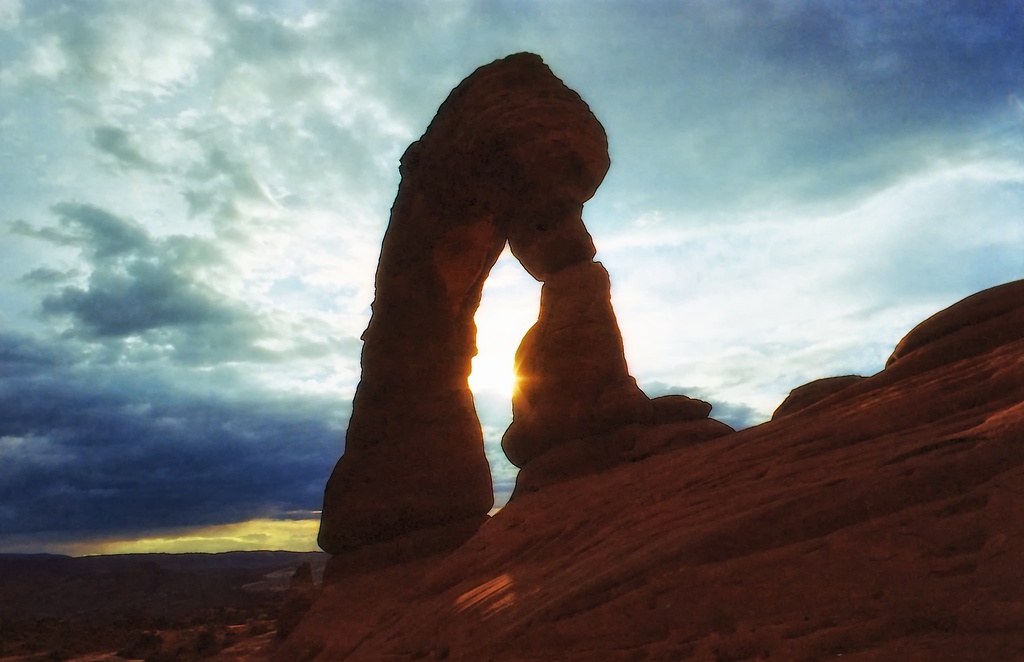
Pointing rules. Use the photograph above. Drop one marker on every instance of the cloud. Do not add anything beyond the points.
(119, 144)
(225, 190)
(495, 413)
(48, 234)
(94, 450)
(794, 185)
(751, 310)
(10, 14)
(151, 289)
(132, 52)
(46, 277)
(761, 105)
(738, 416)
(99, 233)
(144, 297)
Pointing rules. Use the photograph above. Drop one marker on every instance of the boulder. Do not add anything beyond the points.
(302, 593)
(676, 408)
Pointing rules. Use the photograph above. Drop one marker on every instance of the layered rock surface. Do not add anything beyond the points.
(883, 521)
(512, 155)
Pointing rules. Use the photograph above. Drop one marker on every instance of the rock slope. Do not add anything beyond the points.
(881, 520)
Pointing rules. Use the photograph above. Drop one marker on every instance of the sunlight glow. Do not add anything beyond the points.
(508, 308)
(492, 373)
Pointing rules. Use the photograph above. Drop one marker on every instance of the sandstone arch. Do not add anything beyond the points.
(511, 155)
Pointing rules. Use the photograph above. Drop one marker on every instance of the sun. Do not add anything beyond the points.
(508, 308)
(492, 374)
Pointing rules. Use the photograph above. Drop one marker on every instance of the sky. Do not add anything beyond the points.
(194, 194)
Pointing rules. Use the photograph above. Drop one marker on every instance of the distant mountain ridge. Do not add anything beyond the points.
(142, 585)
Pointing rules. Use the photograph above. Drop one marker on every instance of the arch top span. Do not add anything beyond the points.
(511, 155)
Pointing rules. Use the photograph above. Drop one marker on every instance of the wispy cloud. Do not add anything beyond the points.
(120, 145)
(753, 307)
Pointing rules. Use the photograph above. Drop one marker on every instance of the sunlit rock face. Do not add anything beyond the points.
(511, 153)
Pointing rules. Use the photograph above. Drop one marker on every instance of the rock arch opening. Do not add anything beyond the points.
(508, 308)
(510, 158)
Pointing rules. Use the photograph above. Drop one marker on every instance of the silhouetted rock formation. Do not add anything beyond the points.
(572, 379)
(812, 393)
(884, 521)
(979, 322)
(301, 594)
(511, 155)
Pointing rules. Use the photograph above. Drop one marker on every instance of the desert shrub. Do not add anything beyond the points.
(207, 643)
(258, 628)
(167, 656)
(142, 647)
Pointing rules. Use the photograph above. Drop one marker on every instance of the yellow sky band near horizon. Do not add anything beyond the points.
(254, 535)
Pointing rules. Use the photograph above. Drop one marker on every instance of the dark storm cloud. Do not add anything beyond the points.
(84, 451)
(101, 435)
(141, 297)
(146, 287)
(100, 234)
(22, 356)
